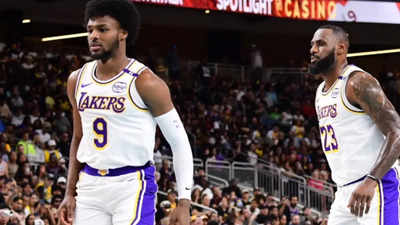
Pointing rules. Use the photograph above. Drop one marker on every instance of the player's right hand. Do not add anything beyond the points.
(66, 211)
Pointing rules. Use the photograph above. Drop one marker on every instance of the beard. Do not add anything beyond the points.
(323, 65)
(106, 54)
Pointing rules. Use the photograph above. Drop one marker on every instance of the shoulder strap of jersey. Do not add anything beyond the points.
(135, 70)
(349, 70)
(81, 75)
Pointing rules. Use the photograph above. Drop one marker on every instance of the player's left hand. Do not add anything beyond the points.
(181, 214)
(361, 197)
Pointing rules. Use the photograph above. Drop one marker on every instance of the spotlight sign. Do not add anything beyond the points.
(327, 10)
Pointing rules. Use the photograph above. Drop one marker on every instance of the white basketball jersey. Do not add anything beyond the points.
(350, 139)
(118, 130)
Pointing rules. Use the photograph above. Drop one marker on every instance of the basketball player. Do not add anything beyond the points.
(117, 104)
(360, 134)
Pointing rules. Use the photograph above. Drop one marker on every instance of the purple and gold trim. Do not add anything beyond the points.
(79, 80)
(116, 171)
(106, 82)
(380, 203)
(141, 69)
(324, 93)
(388, 192)
(138, 202)
(361, 112)
(131, 99)
(144, 208)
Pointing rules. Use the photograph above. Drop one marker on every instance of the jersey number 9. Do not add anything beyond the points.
(100, 131)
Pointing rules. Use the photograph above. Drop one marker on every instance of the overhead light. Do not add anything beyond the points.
(26, 20)
(380, 52)
(207, 11)
(67, 36)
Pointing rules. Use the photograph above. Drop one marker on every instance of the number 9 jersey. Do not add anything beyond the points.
(118, 130)
(350, 139)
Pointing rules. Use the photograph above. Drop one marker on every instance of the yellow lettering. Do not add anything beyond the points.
(287, 11)
(305, 12)
(321, 9)
(312, 9)
(296, 10)
(278, 7)
(331, 9)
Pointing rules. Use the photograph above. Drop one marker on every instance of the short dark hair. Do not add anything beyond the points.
(124, 11)
(339, 32)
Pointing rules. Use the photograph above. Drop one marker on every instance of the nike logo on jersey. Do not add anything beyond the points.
(187, 188)
(85, 85)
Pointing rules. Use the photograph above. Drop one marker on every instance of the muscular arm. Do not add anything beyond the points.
(156, 96)
(364, 90)
(74, 165)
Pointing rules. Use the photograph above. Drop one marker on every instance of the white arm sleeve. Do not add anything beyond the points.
(172, 128)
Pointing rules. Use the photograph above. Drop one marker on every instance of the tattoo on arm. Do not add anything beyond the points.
(367, 92)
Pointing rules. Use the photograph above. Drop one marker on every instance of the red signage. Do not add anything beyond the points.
(334, 10)
(305, 9)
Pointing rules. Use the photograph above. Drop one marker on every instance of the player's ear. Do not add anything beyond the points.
(123, 34)
(341, 48)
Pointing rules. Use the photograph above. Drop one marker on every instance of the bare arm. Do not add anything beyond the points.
(66, 209)
(365, 91)
(74, 165)
(155, 93)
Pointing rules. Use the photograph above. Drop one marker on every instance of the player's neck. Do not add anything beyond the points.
(331, 76)
(112, 67)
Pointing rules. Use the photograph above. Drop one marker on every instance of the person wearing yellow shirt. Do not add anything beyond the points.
(51, 150)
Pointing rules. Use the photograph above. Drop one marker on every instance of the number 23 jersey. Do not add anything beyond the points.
(117, 128)
(350, 139)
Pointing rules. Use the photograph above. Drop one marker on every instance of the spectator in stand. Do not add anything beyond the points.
(196, 194)
(315, 181)
(172, 198)
(51, 150)
(298, 131)
(273, 135)
(32, 206)
(283, 220)
(61, 123)
(3, 168)
(5, 111)
(252, 154)
(295, 220)
(262, 218)
(44, 131)
(64, 144)
(233, 188)
(12, 164)
(26, 144)
(56, 166)
(37, 155)
(217, 197)
(31, 220)
(289, 207)
(166, 211)
(205, 200)
(223, 208)
(17, 208)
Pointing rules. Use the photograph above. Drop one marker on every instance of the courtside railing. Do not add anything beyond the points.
(270, 179)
